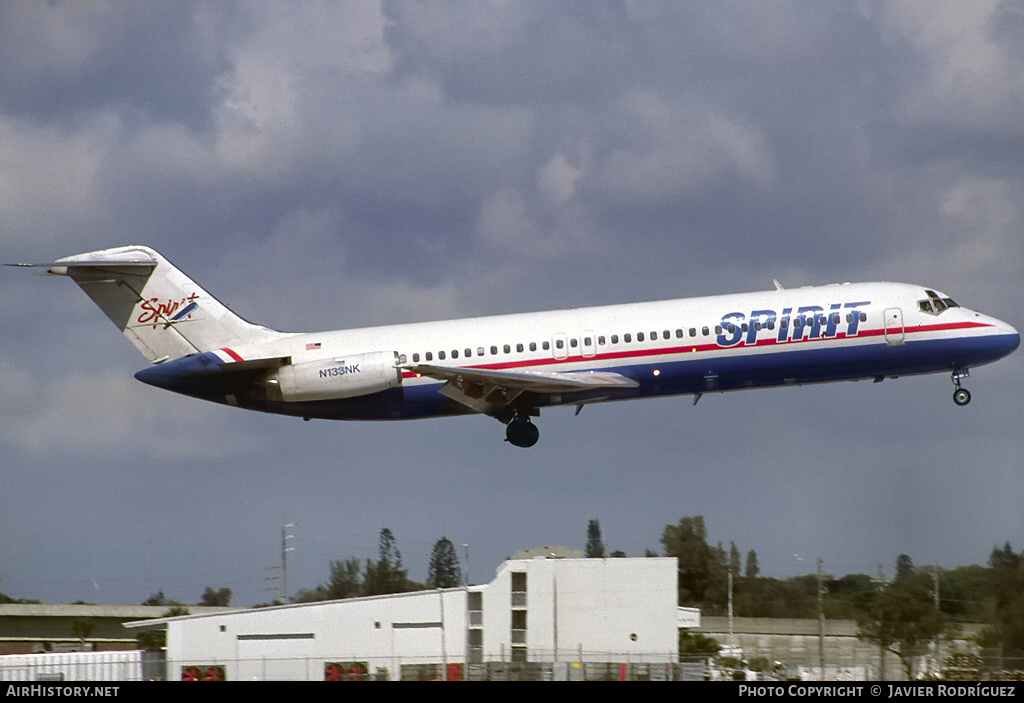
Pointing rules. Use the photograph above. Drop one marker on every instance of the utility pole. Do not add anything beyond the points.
(821, 621)
(880, 582)
(284, 559)
(732, 640)
(938, 636)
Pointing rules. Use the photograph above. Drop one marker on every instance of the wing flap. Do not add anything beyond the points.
(487, 390)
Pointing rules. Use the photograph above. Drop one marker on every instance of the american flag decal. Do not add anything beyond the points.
(312, 346)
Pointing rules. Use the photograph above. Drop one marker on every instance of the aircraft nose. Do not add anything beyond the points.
(1011, 334)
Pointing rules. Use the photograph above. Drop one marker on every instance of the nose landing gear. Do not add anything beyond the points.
(961, 396)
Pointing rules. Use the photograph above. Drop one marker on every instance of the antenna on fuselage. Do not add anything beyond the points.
(778, 286)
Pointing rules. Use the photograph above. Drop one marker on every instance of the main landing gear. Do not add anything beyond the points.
(961, 396)
(521, 432)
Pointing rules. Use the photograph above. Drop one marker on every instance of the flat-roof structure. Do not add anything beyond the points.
(556, 614)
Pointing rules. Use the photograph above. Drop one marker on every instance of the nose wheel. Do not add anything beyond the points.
(961, 396)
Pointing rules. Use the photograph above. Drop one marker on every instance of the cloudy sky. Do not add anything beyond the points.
(330, 165)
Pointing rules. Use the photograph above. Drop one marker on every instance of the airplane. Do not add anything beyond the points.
(511, 366)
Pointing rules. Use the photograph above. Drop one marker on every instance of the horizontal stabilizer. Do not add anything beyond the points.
(60, 267)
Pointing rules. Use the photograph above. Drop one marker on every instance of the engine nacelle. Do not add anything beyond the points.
(340, 377)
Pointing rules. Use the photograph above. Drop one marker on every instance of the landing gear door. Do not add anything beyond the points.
(894, 326)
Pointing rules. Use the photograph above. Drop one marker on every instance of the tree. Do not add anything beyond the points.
(595, 545)
(305, 595)
(387, 574)
(687, 542)
(1004, 558)
(696, 644)
(734, 559)
(904, 567)
(752, 569)
(966, 593)
(1007, 629)
(159, 598)
(344, 581)
(82, 628)
(902, 619)
(444, 570)
(215, 597)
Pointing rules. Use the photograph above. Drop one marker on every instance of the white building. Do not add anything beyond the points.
(553, 617)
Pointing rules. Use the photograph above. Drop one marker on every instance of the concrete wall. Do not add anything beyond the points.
(284, 642)
(597, 607)
(597, 610)
(796, 642)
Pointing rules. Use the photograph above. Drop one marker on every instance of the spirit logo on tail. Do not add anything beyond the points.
(155, 312)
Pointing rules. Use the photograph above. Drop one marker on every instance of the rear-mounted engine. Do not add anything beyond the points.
(340, 377)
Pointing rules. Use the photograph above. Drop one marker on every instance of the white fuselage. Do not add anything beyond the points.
(793, 336)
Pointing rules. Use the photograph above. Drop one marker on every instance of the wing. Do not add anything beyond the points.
(487, 390)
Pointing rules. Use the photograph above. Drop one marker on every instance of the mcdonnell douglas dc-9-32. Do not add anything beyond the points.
(511, 366)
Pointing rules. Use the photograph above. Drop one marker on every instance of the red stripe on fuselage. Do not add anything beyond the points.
(697, 348)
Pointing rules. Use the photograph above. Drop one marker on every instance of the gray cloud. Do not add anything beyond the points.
(331, 165)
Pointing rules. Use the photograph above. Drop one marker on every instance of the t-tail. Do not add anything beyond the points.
(161, 311)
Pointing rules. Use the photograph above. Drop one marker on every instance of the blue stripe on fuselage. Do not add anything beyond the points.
(684, 374)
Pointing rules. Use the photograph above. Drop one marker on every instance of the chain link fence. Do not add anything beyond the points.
(763, 665)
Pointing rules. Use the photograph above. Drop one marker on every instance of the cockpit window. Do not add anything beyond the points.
(935, 304)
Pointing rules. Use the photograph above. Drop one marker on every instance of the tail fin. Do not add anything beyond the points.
(162, 312)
